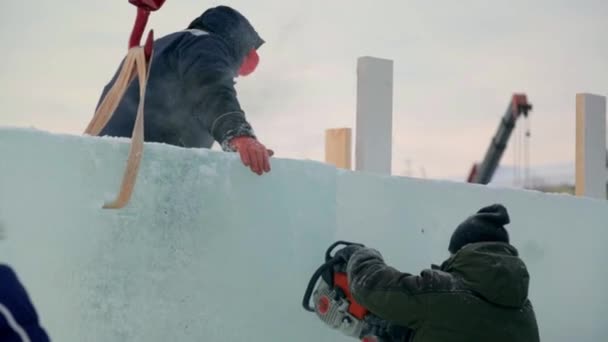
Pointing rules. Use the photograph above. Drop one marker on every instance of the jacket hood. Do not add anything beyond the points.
(494, 271)
(232, 26)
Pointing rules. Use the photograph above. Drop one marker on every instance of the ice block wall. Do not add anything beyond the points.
(206, 250)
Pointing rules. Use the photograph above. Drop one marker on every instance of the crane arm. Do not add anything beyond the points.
(482, 173)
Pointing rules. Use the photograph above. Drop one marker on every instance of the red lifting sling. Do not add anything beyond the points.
(137, 63)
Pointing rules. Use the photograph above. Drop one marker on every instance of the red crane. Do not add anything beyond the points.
(481, 173)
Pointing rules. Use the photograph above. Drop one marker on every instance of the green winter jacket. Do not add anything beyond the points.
(480, 294)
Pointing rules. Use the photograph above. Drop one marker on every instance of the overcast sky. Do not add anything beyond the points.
(456, 66)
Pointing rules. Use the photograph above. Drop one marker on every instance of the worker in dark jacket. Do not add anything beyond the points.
(190, 96)
(18, 318)
(479, 294)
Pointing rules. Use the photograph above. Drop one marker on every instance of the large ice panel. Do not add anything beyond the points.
(206, 250)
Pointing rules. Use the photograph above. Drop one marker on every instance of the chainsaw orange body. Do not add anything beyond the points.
(341, 281)
(335, 305)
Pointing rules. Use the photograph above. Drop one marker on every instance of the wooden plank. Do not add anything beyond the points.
(338, 147)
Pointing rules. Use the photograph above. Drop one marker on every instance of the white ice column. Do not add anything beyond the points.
(591, 155)
(373, 149)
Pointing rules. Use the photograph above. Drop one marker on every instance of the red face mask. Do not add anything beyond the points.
(250, 63)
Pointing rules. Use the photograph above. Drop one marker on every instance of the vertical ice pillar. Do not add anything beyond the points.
(373, 147)
(591, 155)
(338, 149)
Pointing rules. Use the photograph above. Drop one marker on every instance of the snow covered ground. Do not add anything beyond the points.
(206, 250)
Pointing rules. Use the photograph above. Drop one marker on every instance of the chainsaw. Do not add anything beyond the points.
(334, 304)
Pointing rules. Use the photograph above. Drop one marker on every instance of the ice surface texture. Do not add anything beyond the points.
(206, 250)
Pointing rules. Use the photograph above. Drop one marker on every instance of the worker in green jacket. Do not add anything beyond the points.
(479, 294)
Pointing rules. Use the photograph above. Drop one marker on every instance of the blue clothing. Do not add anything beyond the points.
(17, 313)
(190, 97)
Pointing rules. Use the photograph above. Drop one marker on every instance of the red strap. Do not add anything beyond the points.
(148, 46)
(149, 5)
(139, 27)
(144, 7)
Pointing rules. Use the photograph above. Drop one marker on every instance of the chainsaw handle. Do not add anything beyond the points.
(330, 262)
(328, 255)
(313, 281)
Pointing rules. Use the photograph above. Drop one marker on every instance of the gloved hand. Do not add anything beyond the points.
(346, 252)
(385, 330)
(253, 154)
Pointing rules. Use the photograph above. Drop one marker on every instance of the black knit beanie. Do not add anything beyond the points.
(485, 226)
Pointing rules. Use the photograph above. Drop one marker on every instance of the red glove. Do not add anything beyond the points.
(253, 154)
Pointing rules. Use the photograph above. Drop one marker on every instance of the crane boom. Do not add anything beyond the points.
(482, 173)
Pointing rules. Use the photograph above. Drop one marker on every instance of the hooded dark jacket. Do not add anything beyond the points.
(480, 294)
(18, 317)
(190, 97)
